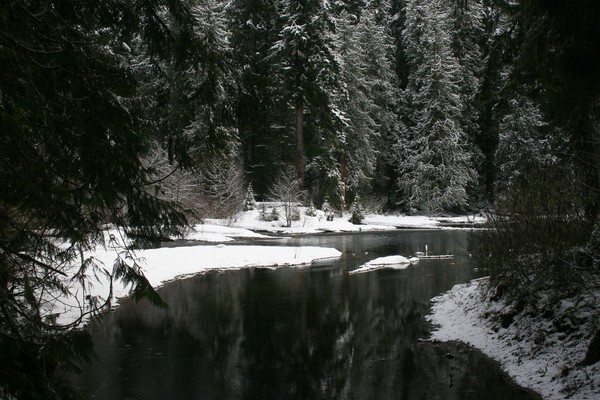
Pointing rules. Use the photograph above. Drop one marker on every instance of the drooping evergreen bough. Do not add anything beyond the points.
(74, 131)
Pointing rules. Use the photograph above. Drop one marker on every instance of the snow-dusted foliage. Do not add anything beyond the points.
(192, 101)
(305, 70)
(358, 211)
(523, 146)
(435, 166)
(249, 200)
(467, 31)
(366, 94)
(259, 107)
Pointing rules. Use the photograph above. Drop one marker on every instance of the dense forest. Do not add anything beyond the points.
(146, 113)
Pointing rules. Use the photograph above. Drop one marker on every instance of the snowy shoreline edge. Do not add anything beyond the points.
(540, 352)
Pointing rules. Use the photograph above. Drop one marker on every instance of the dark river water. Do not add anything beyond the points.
(300, 333)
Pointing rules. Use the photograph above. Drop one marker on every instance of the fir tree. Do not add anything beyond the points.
(435, 163)
(74, 133)
(365, 99)
(259, 105)
(305, 68)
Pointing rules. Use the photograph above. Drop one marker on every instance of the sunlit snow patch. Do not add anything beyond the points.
(218, 233)
(392, 262)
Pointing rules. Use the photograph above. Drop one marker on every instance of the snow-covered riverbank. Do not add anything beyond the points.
(540, 352)
(318, 223)
(162, 265)
(165, 264)
(540, 349)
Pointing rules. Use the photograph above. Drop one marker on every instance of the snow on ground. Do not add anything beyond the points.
(250, 220)
(541, 352)
(305, 225)
(219, 233)
(165, 264)
(532, 350)
(393, 262)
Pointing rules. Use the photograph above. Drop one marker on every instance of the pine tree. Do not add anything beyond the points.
(193, 99)
(378, 44)
(466, 19)
(259, 105)
(497, 60)
(523, 147)
(306, 69)
(74, 132)
(365, 98)
(557, 51)
(435, 164)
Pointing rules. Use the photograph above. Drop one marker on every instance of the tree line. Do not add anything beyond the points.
(144, 113)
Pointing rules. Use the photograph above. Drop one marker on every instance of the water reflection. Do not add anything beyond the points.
(311, 333)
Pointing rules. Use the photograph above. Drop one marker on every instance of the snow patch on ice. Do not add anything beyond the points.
(393, 262)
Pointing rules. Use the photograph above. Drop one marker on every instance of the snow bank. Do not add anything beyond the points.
(403, 221)
(162, 265)
(317, 224)
(166, 264)
(539, 352)
(220, 233)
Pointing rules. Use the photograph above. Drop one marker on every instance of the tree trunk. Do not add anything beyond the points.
(586, 154)
(344, 176)
(300, 144)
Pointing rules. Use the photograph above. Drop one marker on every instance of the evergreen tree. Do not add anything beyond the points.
(74, 132)
(305, 69)
(435, 163)
(524, 148)
(468, 36)
(378, 44)
(559, 63)
(497, 58)
(193, 98)
(259, 104)
(365, 98)
(548, 144)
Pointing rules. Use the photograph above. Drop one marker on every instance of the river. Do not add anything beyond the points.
(300, 333)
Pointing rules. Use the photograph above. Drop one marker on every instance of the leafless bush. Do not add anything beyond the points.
(533, 237)
(287, 190)
(168, 181)
(222, 184)
(214, 190)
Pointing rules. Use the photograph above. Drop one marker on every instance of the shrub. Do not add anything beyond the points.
(535, 236)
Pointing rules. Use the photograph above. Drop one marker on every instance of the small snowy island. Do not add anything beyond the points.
(392, 262)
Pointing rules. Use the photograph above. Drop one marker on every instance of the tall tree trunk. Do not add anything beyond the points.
(300, 144)
(586, 155)
(250, 156)
(344, 175)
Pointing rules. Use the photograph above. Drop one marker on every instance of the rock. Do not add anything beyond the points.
(539, 338)
(506, 320)
(593, 353)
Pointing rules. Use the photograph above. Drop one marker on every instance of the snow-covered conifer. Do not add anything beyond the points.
(435, 166)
